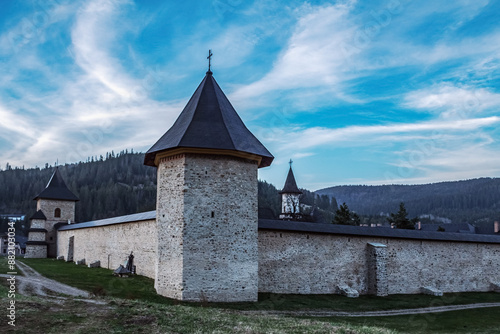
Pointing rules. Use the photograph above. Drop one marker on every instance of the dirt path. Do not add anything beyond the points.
(329, 313)
(32, 283)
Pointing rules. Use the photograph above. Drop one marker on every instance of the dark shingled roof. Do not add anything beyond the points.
(290, 184)
(39, 215)
(209, 121)
(292, 226)
(42, 243)
(149, 215)
(37, 230)
(57, 189)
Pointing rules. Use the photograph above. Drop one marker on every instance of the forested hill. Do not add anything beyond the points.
(120, 184)
(106, 186)
(461, 201)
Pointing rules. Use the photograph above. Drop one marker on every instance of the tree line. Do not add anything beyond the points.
(468, 201)
(120, 184)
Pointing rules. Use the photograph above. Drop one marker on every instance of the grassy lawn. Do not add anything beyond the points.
(484, 321)
(133, 305)
(98, 281)
(37, 315)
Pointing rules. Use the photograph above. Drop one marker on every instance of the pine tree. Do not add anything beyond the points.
(343, 216)
(400, 219)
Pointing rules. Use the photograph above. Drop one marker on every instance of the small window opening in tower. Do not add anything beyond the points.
(213, 214)
(57, 213)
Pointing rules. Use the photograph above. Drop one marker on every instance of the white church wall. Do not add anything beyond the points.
(112, 244)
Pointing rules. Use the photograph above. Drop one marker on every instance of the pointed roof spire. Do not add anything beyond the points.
(57, 189)
(290, 186)
(209, 122)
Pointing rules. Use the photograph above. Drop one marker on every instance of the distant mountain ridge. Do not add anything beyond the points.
(468, 201)
(120, 184)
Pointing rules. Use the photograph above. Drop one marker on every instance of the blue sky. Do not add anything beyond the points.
(355, 92)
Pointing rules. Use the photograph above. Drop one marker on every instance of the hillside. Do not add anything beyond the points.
(120, 184)
(107, 186)
(469, 201)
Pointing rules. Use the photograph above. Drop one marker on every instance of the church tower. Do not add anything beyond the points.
(55, 205)
(290, 198)
(206, 207)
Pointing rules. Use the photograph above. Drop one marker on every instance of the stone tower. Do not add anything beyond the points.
(206, 208)
(55, 204)
(290, 198)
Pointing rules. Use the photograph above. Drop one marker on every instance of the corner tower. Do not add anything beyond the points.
(206, 207)
(290, 198)
(56, 203)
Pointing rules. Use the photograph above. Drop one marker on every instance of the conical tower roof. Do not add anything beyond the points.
(209, 122)
(290, 186)
(57, 189)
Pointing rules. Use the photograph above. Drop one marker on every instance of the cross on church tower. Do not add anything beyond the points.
(210, 54)
(290, 162)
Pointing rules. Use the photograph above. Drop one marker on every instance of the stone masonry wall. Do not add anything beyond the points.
(170, 226)
(48, 207)
(36, 251)
(376, 262)
(111, 244)
(207, 223)
(37, 223)
(308, 263)
(37, 236)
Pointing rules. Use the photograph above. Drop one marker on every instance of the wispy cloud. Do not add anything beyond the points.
(453, 101)
(314, 81)
(312, 57)
(317, 136)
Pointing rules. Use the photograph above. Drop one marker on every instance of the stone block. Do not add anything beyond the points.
(80, 262)
(60, 257)
(95, 264)
(429, 290)
(347, 291)
(495, 286)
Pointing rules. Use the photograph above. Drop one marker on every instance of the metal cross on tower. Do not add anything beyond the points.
(290, 162)
(210, 54)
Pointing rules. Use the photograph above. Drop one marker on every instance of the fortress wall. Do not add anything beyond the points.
(112, 244)
(313, 263)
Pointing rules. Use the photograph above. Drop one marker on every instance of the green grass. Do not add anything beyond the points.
(98, 281)
(4, 265)
(139, 309)
(485, 321)
(363, 303)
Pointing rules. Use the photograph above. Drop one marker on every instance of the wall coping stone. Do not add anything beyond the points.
(429, 290)
(376, 244)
